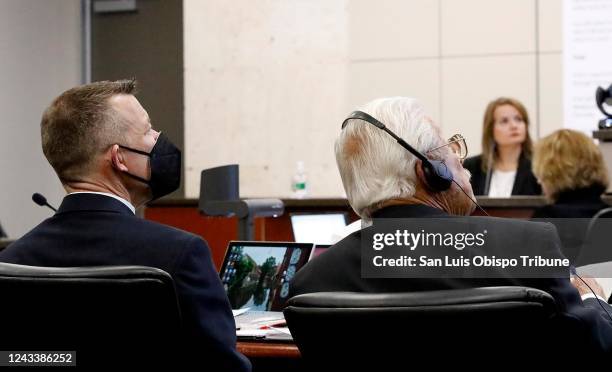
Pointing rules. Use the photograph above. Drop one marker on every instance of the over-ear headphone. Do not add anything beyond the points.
(437, 175)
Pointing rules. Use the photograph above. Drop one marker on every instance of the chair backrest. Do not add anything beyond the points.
(355, 328)
(596, 248)
(106, 314)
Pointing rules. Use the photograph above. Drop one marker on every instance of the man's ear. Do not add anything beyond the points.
(117, 159)
(418, 169)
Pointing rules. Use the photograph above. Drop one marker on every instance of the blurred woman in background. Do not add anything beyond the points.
(571, 170)
(504, 167)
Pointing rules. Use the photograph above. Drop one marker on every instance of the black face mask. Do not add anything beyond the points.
(165, 167)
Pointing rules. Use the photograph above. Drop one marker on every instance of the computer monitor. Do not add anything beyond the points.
(256, 275)
(317, 228)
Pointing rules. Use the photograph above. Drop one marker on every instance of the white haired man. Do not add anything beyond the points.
(384, 180)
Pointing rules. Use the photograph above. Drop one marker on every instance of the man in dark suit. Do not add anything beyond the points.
(383, 180)
(110, 160)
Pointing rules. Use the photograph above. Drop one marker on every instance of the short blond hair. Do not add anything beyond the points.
(79, 124)
(568, 160)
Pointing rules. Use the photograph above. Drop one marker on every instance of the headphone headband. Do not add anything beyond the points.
(363, 116)
(360, 115)
(437, 174)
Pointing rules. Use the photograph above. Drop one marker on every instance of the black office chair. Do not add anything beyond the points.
(596, 248)
(108, 315)
(355, 329)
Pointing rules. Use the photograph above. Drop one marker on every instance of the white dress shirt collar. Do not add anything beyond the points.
(125, 202)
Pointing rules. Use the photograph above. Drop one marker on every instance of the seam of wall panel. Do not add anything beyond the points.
(86, 41)
(440, 108)
(537, 67)
(441, 57)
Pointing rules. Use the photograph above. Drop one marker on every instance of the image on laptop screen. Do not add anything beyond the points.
(256, 275)
(317, 228)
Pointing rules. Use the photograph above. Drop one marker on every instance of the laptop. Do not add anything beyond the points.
(256, 277)
(317, 228)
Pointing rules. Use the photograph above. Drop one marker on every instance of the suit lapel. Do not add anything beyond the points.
(522, 173)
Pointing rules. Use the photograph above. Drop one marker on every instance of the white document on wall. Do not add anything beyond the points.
(587, 60)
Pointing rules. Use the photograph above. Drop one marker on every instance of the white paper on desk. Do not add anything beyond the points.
(268, 320)
(284, 330)
(240, 311)
(602, 272)
(251, 332)
(258, 323)
(606, 285)
(255, 332)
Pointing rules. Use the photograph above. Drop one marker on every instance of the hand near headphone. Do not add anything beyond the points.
(583, 286)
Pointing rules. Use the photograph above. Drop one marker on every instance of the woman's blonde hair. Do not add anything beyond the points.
(568, 160)
(489, 122)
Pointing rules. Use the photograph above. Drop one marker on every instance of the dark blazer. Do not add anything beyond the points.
(339, 269)
(579, 205)
(525, 182)
(92, 230)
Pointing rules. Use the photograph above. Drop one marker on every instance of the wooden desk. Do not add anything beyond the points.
(256, 349)
(272, 357)
(515, 207)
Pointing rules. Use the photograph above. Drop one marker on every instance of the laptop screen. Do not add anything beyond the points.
(317, 228)
(257, 274)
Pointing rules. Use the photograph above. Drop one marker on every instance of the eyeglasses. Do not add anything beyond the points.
(457, 145)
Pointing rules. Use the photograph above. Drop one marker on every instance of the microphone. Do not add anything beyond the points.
(42, 201)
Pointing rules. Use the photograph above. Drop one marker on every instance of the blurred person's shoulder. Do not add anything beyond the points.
(473, 163)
